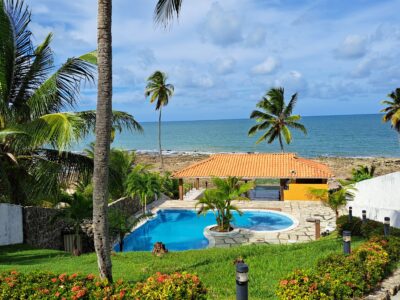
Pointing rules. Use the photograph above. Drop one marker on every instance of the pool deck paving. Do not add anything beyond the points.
(302, 231)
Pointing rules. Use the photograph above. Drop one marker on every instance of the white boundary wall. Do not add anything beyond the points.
(380, 197)
(11, 224)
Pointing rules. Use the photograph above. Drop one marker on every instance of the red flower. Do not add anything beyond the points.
(90, 277)
(76, 288)
(62, 277)
(73, 276)
(57, 294)
(283, 282)
(54, 280)
(81, 293)
(10, 284)
(45, 291)
(122, 294)
(14, 273)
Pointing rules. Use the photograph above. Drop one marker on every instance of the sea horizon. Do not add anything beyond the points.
(361, 135)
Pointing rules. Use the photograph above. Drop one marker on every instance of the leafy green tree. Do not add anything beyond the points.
(160, 92)
(35, 130)
(392, 111)
(121, 163)
(169, 186)
(166, 10)
(143, 184)
(275, 118)
(78, 209)
(335, 199)
(219, 200)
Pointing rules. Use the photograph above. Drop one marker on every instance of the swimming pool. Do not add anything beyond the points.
(181, 229)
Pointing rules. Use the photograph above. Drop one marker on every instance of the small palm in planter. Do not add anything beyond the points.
(219, 200)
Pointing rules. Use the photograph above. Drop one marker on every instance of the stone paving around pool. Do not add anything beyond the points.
(299, 210)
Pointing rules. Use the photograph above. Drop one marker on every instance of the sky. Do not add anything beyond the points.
(340, 56)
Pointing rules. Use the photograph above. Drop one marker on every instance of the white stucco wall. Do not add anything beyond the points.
(380, 197)
(11, 226)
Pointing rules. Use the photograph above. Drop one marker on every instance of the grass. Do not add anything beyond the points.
(267, 264)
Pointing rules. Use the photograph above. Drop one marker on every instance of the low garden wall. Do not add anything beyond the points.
(40, 230)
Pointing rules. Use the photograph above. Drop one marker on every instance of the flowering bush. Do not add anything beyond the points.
(40, 285)
(344, 277)
(170, 287)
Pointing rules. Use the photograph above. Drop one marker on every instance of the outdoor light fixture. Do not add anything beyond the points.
(242, 279)
(350, 214)
(346, 242)
(364, 216)
(386, 226)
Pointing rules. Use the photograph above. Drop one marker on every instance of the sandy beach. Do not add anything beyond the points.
(341, 166)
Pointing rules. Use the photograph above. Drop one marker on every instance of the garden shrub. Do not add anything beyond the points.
(340, 276)
(357, 228)
(40, 285)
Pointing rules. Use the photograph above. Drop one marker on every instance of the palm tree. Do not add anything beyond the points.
(143, 184)
(335, 199)
(78, 209)
(392, 111)
(160, 92)
(219, 200)
(35, 130)
(103, 128)
(103, 140)
(275, 118)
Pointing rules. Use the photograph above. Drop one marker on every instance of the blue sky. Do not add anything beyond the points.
(341, 56)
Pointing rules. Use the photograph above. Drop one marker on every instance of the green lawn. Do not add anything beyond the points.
(267, 263)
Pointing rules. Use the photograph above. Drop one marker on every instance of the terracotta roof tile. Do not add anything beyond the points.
(263, 165)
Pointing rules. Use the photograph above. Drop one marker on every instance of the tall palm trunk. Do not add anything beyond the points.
(103, 137)
(159, 141)
(281, 143)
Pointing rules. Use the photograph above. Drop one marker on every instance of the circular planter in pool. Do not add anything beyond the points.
(211, 234)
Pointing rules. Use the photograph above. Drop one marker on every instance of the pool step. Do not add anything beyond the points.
(193, 194)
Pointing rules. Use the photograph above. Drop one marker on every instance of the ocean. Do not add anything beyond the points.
(345, 136)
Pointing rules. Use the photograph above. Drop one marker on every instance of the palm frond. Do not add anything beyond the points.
(166, 10)
(120, 120)
(289, 108)
(20, 60)
(61, 90)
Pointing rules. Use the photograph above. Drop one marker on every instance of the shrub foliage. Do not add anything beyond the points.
(344, 277)
(41, 285)
(369, 229)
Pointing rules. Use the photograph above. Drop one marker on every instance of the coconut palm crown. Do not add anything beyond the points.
(275, 118)
(36, 132)
(392, 111)
(160, 92)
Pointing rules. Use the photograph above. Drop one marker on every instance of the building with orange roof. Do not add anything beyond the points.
(297, 175)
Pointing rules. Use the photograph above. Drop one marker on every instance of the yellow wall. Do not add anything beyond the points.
(300, 191)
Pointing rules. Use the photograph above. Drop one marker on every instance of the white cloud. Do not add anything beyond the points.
(221, 27)
(353, 46)
(268, 66)
(225, 65)
(292, 81)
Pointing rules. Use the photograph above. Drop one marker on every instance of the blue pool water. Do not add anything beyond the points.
(183, 229)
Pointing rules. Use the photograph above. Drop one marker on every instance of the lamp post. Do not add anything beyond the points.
(386, 226)
(364, 216)
(350, 214)
(242, 279)
(346, 242)
(317, 226)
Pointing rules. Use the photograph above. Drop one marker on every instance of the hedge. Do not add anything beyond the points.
(358, 228)
(41, 285)
(342, 276)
